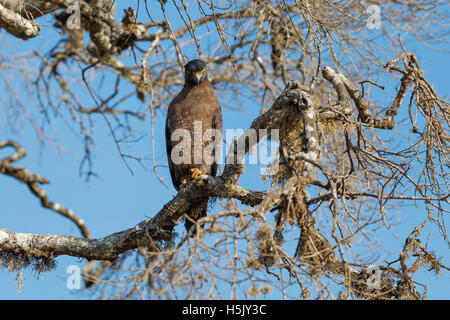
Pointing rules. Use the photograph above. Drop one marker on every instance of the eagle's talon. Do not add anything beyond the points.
(195, 172)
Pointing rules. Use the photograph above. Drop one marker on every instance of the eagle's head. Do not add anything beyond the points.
(195, 71)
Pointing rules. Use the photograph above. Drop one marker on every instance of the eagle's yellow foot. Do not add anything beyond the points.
(184, 182)
(195, 172)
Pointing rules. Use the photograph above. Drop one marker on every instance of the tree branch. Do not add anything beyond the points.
(17, 25)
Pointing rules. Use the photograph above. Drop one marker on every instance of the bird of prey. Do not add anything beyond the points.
(194, 134)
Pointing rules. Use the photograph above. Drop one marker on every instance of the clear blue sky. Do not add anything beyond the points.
(118, 200)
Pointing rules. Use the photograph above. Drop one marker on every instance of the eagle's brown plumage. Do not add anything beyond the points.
(195, 102)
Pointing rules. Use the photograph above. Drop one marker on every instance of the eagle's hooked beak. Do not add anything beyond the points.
(198, 76)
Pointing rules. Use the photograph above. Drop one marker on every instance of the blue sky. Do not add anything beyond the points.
(117, 199)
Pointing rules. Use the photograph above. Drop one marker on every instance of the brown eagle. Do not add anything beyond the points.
(194, 134)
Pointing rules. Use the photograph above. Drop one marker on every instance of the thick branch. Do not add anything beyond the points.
(17, 25)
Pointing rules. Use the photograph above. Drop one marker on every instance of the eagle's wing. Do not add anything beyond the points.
(169, 147)
(217, 124)
(193, 103)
